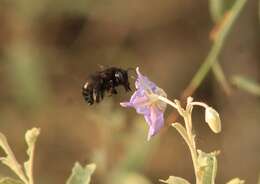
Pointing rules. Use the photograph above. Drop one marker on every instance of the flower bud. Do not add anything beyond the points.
(213, 119)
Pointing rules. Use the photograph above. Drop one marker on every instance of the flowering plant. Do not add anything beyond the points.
(150, 101)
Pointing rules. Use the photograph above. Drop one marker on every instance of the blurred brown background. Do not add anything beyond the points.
(48, 48)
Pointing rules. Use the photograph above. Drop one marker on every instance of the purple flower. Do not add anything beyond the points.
(145, 102)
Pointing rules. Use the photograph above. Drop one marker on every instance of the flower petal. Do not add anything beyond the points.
(126, 104)
(140, 103)
(143, 83)
(155, 121)
(147, 104)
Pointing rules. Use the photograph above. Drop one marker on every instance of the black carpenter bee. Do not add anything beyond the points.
(104, 81)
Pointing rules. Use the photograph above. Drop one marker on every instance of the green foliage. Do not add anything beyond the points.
(207, 167)
(219, 40)
(81, 175)
(246, 84)
(131, 178)
(175, 180)
(6, 180)
(26, 173)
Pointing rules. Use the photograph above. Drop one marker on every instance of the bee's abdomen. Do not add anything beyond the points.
(87, 93)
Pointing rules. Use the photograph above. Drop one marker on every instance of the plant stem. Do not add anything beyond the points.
(216, 48)
(192, 145)
(166, 100)
(190, 138)
(30, 174)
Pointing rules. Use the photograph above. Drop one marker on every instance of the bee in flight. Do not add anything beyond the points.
(104, 81)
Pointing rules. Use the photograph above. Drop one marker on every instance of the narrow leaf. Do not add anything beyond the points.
(236, 181)
(216, 48)
(182, 131)
(81, 175)
(3, 143)
(221, 78)
(246, 84)
(175, 180)
(9, 160)
(6, 180)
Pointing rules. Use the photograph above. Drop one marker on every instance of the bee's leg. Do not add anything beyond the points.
(97, 94)
(102, 94)
(89, 97)
(91, 100)
(127, 87)
(87, 94)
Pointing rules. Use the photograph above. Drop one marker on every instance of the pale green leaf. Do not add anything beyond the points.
(81, 175)
(3, 143)
(30, 138)
(175, 180)
(182, 131)
(7, 180)
(9, 160)
(246, 84)
(207, 167)
(236, 181)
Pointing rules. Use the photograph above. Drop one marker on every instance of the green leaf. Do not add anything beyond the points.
(175, 180)
(236, 181)
(81, 175)
(246, 84)
(207, 166)
(6, 180)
